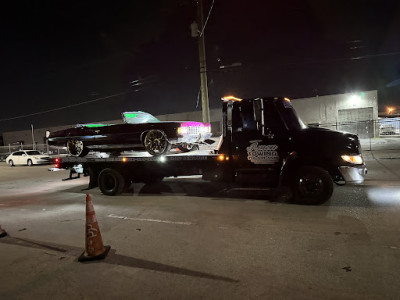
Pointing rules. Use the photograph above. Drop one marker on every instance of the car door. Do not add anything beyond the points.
(258, 141)
(17, 157)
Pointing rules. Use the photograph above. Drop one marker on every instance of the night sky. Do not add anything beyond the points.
(76, 60)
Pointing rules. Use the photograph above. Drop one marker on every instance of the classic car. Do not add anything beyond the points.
(140, 131)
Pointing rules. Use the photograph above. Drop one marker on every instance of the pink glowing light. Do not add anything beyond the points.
(194, 124)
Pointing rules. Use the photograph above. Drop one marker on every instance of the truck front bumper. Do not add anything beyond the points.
(353, 174)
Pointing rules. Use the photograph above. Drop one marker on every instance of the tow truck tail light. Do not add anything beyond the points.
(222, 157)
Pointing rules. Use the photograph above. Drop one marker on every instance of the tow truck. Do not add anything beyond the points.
(263, 144)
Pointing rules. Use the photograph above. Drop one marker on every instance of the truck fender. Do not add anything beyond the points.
(288, 170)
(293, 162)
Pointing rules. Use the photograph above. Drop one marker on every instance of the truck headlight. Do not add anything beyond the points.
(353, 159)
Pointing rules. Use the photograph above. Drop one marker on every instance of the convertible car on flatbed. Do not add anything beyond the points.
(140, 131)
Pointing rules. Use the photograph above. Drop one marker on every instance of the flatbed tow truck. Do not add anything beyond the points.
(264, 144)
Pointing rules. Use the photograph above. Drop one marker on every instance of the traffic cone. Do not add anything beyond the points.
(3, 233)
(94, 248)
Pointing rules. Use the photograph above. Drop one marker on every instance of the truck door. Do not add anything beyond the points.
(258, 141)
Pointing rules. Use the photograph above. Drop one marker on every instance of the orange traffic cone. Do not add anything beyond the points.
(94, 248)
(3, 233)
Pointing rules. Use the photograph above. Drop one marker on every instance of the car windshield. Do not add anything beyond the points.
(33, 152)
(138, 117)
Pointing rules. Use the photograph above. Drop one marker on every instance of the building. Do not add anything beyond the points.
(352, 112)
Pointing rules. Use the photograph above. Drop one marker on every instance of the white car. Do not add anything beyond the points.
(27, 157)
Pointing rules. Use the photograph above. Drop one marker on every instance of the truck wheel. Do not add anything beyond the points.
(186, 147)
(156, 142)
(312, 185)
(76, 148)
(111, 182)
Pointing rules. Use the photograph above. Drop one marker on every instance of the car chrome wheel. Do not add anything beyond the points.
(11, 163)
(29, 162)
(76, 148)
(156, 142)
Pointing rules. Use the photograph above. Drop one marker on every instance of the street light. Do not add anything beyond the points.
(390, 110)
(355, 99)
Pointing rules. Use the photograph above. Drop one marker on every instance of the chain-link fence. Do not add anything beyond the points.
(388, 127)
(378, 137)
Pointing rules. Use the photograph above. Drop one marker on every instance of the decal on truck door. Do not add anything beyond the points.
(262, 154)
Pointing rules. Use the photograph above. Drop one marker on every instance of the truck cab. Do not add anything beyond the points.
(265, 143)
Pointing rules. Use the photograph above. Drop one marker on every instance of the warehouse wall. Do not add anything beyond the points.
(320, 110)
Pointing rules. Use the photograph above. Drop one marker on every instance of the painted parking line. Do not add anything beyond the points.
(151, 220)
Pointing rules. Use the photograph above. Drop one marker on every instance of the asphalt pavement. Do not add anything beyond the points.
(187, 239)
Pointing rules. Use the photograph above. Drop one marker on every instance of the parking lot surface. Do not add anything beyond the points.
(185, 238)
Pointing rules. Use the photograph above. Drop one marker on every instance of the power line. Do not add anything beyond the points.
(64, 107)
(208, 16)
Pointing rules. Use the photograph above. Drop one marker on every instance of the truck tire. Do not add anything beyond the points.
(312, 185)
(111, 182)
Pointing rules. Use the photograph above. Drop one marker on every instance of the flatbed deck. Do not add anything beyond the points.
(197, 156)
(138, 167)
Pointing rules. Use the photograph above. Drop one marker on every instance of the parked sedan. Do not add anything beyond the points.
(27, 157)
(140, 131)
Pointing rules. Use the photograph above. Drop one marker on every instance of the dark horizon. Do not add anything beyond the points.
(77, 55)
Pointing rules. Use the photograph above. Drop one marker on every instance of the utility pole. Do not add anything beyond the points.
(203, 67)
(33, 139)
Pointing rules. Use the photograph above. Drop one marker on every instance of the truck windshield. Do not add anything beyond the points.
(290, 117)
